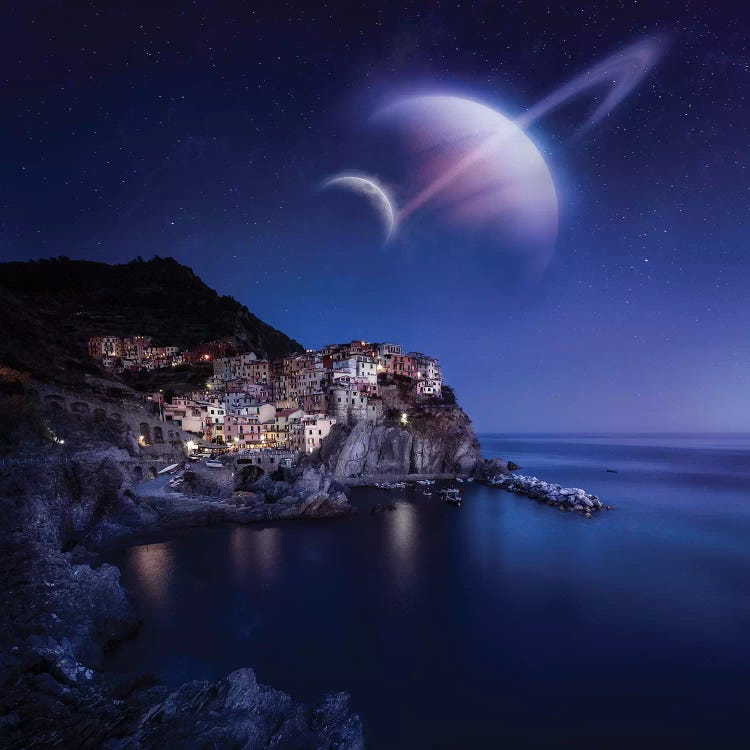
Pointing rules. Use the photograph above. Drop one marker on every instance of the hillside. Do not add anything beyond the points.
(52, 307)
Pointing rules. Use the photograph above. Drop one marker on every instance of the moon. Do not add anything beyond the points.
(480, 170)
(375, 194)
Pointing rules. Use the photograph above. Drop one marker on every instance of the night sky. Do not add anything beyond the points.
(204, 130)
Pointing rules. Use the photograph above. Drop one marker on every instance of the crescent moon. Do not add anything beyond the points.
(375, 194)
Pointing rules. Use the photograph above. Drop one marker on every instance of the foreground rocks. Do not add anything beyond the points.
(237, 712)
(564, 498)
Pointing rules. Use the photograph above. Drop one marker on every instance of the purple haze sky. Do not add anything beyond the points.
(202, 131)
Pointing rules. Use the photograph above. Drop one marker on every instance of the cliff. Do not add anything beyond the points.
(437, 438)
(52, 307)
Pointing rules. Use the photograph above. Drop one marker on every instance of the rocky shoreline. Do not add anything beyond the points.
(312, 494)
(59, 617)
(563, 498)
(60, 612)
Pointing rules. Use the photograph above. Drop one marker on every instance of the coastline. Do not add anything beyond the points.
(63, 609)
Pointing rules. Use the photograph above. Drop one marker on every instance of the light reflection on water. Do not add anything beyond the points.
(153, 564)
(256, 555)
(403, 542)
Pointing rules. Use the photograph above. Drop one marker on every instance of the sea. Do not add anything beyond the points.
(502, 623)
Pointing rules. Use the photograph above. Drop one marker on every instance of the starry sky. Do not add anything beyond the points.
(203, 130)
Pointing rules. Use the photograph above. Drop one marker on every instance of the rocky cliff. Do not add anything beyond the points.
(434, 439)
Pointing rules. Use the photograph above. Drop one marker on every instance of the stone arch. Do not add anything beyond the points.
(158, 435)
(54, 401)
(138, 473)
(145, 431)
(152, 472)
(100, 414)
(170, 433)
(79, 407)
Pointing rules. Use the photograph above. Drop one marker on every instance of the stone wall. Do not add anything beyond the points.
(133, 414)
(268, 460)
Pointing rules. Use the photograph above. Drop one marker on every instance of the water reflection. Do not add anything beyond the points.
(153, 564)
(256, 554)
(240, 546)
(402, 538)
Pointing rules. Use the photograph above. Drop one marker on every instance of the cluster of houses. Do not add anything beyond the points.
(292, 403)
(135, 353)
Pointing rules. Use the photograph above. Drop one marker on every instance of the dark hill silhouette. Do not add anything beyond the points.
(50, 308)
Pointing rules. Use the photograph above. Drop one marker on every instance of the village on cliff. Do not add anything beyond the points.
(289, 404)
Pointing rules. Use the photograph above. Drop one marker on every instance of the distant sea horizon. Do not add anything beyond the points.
(704, 439)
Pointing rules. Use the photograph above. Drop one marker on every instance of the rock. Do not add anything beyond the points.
(441, 441)
(513, 466)
(491, 467)
(564, 498)
(238, 712)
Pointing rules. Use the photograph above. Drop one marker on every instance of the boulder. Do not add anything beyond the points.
(238, 712)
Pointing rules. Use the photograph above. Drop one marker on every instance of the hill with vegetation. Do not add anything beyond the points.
(52, 307)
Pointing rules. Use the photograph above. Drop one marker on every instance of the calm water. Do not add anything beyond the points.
(505, 623)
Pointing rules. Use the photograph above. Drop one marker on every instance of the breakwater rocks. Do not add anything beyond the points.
(564, 498)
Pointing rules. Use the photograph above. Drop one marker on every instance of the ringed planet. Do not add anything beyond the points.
(481, 167)
(373, 191)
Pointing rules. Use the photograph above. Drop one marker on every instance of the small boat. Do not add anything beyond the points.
(470, 479)
(612, 471)
(452, 496)
(212, 463)
(427, 494)
(458, 479)
(169, 469)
